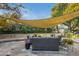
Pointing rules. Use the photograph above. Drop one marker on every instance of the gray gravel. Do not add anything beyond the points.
(14, 49)
(17, 49)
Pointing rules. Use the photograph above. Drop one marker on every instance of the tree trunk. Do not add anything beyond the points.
(57, 29)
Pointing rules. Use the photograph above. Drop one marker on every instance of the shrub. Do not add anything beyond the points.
(68, 41)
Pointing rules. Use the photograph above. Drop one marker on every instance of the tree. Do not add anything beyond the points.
(74, 22)
(58, 11)
(14, 9)
(65, 8)
(13, 12)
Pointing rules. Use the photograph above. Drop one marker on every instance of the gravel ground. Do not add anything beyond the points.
(16, 48)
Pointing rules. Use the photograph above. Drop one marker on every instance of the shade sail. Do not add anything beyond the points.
(44, 23)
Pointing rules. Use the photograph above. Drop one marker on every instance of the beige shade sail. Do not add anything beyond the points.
(44, 23)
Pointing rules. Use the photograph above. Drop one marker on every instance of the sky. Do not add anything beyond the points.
(35, 10)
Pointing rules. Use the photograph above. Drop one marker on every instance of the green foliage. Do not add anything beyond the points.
(65, 8)
(69, 35)
(78, 36)
(19, 28)
(68, 41)
(72, 7)
(58, 9)
(13, 9)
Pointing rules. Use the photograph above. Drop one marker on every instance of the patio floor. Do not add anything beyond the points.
(16, 48)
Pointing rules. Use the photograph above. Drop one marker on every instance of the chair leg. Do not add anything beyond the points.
(27, 46)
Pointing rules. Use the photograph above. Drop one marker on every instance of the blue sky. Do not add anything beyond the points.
(36, 10)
